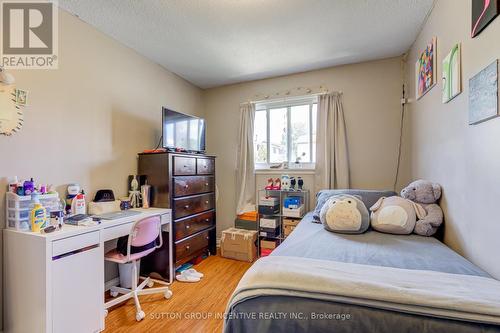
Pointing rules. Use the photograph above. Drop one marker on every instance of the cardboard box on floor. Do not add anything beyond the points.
(239, 244)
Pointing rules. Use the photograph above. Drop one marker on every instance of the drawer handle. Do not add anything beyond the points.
(187, 247)
(205, 166)
(186, 207)
(186, 186)
(187, 227)
(206, 202)
(185, 166)
(206, 184)
(207, 220)
(208, 237)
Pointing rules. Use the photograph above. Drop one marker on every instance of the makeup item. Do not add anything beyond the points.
(73, 190)
(29, 187)
(50, 228)
(78, 204)
(38, 215)
(43, 189)
(13, 185)
(145, 189)
(20, 189)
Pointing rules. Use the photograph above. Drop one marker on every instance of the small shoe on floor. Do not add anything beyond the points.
(186, 277)
(193, 272)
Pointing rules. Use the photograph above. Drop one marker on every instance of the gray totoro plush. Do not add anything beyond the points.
(345, 214)
(426, 194)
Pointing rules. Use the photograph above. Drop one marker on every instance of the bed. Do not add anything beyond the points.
(299, 287)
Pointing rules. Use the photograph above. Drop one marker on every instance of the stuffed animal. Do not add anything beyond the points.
(285, 182)
(395, 215)
(427, 194)
(345, 214)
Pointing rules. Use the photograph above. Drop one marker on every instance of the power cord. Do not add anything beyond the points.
(403, 103)
(159, 143)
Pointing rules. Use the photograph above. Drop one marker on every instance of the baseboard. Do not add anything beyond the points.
(111, 283)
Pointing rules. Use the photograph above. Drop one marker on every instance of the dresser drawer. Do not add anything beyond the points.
(184, 165)
(205, 166)
(191, 225)
(193, 185)
(193, 205)
(191, 245)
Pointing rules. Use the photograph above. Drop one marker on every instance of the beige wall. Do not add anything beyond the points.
(87, 120)
(372, 109)
(444, 148)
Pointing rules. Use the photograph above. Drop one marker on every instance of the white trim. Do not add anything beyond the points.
(285, 102)
(285, 171)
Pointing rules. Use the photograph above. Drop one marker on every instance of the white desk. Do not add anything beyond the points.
(55, 282)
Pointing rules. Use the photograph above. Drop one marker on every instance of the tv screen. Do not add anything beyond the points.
(181, 131)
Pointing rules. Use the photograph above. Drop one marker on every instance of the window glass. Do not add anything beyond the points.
(278, 135)
(260, 137)
(300, 134)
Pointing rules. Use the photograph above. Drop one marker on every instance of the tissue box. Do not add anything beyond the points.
(289, 225)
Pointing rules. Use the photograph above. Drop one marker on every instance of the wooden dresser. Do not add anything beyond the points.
(186, 184)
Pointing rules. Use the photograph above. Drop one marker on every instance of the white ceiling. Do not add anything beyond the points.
(216, 42)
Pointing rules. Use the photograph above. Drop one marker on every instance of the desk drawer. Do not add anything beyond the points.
(193, 205)
(184, 165)
(193, 185)
(191, 245)
(66, 245)
(205, 166)
(191, 225)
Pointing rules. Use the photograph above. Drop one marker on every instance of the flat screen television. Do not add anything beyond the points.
(183, 132)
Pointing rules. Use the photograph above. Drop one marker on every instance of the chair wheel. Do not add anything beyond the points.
(150, 284)
(168, 294)
(113, 293)
(140, 315)
(105, 313)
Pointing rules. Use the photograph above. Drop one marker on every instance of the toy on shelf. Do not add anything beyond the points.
(270, 184)
(285, 182)
(293, 182)
(134, 193)
(300, 183)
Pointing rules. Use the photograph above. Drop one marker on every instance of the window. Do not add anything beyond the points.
(285, 132)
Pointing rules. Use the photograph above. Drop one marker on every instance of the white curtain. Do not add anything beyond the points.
(245, 178)
(332, 157)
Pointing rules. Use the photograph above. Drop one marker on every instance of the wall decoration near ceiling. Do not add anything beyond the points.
(483, 95)
(425, 69)
(483, 12)
(452, 79)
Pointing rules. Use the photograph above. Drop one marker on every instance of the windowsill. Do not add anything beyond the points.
(304, 171)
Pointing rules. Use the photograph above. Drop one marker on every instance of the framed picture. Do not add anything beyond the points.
(483, 95)
(452, 76)
(483, 12)
(425, 69)
(21, 97)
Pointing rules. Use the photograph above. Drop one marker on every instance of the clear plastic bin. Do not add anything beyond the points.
(19, 207)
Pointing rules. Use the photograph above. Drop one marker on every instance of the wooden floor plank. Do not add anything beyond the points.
(194, 307)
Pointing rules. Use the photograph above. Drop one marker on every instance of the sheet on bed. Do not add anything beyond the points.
(311, 240)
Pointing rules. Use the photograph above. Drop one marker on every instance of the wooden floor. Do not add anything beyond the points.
(194, 307)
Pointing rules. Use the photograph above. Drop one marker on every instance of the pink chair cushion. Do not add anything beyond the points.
(146, 231)
(119, 258)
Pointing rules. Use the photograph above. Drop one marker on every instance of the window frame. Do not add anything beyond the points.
(288, 104)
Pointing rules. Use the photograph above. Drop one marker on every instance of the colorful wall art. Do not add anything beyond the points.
(483, 95)
(483, 12)
(452, 80)
(425, 69)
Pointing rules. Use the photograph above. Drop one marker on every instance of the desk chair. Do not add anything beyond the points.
(142, 233)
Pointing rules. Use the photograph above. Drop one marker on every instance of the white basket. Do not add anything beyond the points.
(18, 208)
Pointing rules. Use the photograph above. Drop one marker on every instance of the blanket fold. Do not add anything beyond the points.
(430, 293)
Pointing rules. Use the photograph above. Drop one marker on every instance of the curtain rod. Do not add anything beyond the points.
(287, 94)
